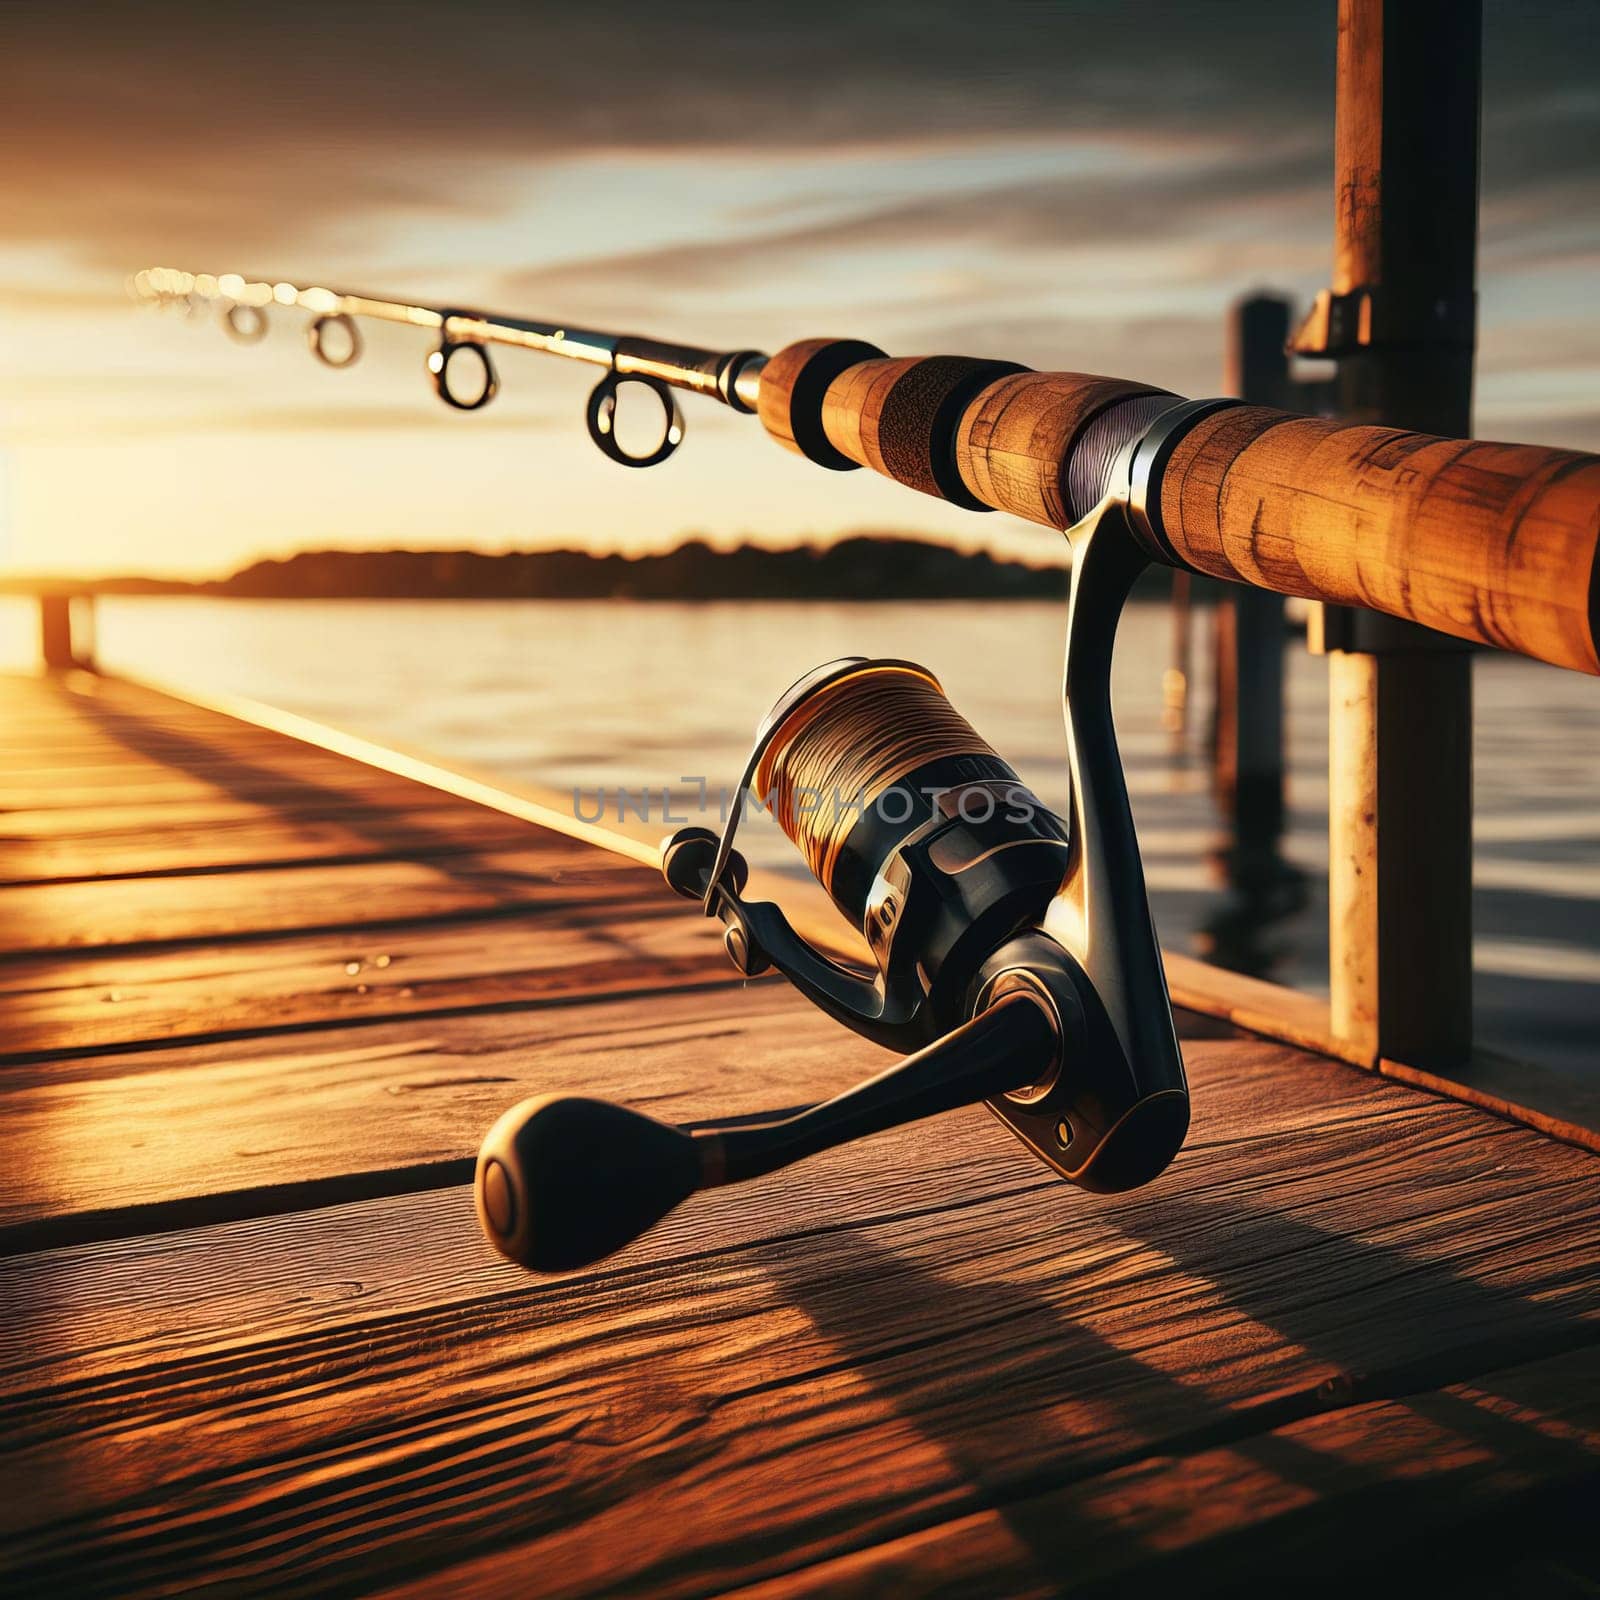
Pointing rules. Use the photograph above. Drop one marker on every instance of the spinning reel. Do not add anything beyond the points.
(1013, 950)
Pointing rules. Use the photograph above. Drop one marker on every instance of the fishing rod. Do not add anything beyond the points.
(1494, 543)
(1012, 955)
(334, 337)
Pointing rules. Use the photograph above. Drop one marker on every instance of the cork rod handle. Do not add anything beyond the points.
(1494, 543)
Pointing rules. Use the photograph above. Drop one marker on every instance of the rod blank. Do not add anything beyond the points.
(457, 326)
(730, 376)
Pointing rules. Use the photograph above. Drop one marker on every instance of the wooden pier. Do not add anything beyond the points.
(260, 1002)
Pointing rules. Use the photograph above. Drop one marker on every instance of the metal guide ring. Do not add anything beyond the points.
(251, 331)
(601, 417)
(317, 336)
(439, 368)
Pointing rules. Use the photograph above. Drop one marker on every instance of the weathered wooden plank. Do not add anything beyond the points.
(88, 1313)
(873, 1349)
(149, 735)
(849, 1354)
(142, 1301)
(85, 789)
(1253, 1004)
(50, 1007)
(1553, 1102)
(129, 746)
(154, 735)
(233, 836)
(276, 1117)
(225, 1116)
(116, 816)
(148, 750)
(272, 1123)
(1368, 1491)
(137, 911)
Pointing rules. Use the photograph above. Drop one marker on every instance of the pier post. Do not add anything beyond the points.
(55, 631)
(1175, 679)
(1400, 319)
(1249, 622)
(59, 646)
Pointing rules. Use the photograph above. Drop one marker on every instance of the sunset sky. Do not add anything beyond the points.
(1071, 185)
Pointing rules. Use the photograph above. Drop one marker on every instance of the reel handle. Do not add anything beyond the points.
(564, 1180)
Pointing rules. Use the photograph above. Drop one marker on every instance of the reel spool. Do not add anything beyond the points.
(1013, 951)
(928, 843)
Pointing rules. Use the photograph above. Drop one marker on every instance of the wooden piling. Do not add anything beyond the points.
(1400, 702)
(66, 631)
(1249, 622)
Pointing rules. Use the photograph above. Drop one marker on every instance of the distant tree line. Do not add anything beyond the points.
(862, 567)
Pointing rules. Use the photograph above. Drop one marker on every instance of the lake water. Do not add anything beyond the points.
(599, 696)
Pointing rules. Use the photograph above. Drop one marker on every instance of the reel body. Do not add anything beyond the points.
(935, 861)
(966, 888)
(1012, 949)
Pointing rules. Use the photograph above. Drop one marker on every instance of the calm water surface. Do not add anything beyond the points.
(596, 697)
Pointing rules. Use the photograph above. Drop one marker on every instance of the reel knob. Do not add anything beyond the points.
(563, 1180)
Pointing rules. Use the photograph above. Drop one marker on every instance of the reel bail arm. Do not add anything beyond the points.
(758, 936)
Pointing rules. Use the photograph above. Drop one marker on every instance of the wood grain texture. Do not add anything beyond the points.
(984, 435)
(1014, 440)
(1495, 543)
(1390, 1479)
(900, 418)
(114, 1133)
(164, 824)
(372, 894)
(917, 1340)
(1490, 542)
(1400, 719)
(142, 1000)
(80, 789)
(1358, 254)
(59, 845)
(1400, 857)
(254, 1343)
(1255, 1005)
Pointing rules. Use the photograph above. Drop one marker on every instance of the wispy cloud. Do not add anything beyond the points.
(1084, 183)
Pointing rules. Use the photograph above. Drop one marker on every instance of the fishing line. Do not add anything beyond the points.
(844, 747)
